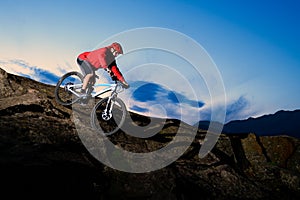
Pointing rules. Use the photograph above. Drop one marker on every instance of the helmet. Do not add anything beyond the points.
(117, 47)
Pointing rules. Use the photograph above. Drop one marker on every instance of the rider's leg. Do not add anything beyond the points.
(86, 81)
(87, 71)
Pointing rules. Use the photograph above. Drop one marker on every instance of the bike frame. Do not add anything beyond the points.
(109, 87)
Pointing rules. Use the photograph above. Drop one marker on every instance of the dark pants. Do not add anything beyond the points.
(85, 67)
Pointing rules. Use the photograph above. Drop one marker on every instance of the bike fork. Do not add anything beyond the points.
(107, 113)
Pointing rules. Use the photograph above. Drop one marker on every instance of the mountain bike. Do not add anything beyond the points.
(108, 114)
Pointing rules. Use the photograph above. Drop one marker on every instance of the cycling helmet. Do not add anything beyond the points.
(117, 47)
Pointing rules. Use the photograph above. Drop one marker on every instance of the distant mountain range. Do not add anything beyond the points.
(279, 123)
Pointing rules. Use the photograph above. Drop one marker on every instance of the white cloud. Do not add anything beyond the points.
(22, 68)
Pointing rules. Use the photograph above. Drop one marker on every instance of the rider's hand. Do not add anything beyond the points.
(114, 78)
(125, 84)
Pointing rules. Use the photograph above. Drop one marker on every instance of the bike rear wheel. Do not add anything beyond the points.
(104, 124)
(64, 96)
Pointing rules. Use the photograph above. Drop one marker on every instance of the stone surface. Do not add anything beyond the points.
(41, 157)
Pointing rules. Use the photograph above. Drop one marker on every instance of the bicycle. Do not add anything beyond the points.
(108, 114)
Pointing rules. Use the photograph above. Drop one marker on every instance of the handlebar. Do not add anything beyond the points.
(117, 82)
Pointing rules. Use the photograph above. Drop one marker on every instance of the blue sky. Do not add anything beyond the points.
(254, 44)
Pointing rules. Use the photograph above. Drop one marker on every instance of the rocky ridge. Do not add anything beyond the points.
(41, 157)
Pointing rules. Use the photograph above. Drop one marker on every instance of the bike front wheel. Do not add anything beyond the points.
(107, 122)
(68, 83)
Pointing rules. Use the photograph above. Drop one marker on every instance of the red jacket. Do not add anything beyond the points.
(102, 58)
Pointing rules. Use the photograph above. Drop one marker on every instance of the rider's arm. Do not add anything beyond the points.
(116, 72)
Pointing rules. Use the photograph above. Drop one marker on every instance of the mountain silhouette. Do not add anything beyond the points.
(43, 157)
(280, 123)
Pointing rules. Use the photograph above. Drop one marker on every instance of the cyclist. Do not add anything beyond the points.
(103, 58)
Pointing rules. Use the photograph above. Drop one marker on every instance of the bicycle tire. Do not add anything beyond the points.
(62, 96)
(108, 127)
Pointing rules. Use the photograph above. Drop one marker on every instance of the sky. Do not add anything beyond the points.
(254, 46)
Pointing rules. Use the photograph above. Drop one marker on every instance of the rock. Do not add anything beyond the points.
(41, 155)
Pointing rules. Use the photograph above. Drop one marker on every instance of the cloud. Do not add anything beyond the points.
(157, 101)
(147, 92)
(139, 109)
(236, 109)
(46, 76)
(239, 109)
(22, 68)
